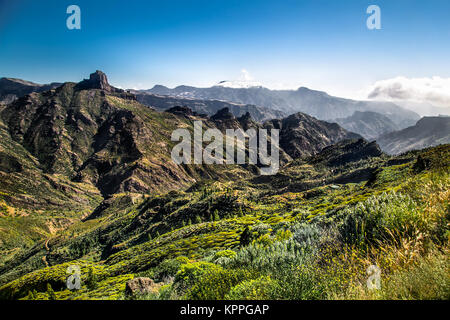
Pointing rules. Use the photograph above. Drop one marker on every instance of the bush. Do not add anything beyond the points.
(91, 281)
(190, 273)
(223, 256)
(271, 258)
(306, 234)
(429, 279)
(168, 268)
(297, 283)
(257, 289)
(216, 283)
(371, 221)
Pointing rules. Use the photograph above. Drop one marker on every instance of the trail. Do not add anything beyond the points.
(44, 258)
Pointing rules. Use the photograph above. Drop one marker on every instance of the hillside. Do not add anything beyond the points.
(247, 239)
(368, 124)
(65, 150)
(427, 132)
(86, 179)
(11, 88)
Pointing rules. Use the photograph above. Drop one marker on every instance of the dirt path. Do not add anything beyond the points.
(44, 258)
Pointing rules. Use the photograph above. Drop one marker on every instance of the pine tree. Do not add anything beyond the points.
(50, 293)
(91, 281)
(246, 237)
(216, 215)
(31, 295)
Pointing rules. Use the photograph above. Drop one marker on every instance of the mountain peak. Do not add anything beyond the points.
(97, 80)
(223, 114)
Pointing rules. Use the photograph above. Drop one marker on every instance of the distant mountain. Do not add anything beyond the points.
(302, 135)
(368, 124)
(11, 88)
(428, 131)
(315, 103)
(207, 107)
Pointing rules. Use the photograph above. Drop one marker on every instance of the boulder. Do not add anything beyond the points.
(140, 285)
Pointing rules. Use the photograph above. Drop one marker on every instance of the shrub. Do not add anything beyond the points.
(168, 268)
(216, 283)
(246, 237)
(257, 289)
(370, 221)
(190, 273)
(225, 254)
(91, 281)
(297, 283)
(429, 279)
(269, 259)
(50, 293)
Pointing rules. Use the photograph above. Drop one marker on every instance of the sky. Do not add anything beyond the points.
(320, 44)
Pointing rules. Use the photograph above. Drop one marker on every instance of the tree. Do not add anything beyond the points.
(91, 281)
(216, 215)
(246, 237)
(50, 293)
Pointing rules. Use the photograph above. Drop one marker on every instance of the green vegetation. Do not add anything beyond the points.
(309, 232)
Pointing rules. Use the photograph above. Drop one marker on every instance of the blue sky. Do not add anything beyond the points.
(282, 44)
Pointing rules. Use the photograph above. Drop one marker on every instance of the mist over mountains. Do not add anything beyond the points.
(315, 103)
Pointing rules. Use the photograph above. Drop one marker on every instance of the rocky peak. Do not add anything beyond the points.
(223, 115)
(181, 111)
(246, 121)
(97, 80)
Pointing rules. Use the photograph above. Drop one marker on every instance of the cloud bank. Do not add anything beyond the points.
(435, 90)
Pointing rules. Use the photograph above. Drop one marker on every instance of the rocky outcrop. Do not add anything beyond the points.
(302, 135)
(141, 285)
(97, 80)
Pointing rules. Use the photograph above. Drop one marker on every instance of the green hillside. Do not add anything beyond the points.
(86, 179)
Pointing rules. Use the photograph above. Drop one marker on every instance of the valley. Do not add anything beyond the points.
(87, 180)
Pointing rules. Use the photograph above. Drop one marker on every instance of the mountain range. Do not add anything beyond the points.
(90, 132)
(315, 103)
(87, 180)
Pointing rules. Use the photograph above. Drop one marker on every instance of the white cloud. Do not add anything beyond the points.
(435, 90)
(245, 76)
(245, 80)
